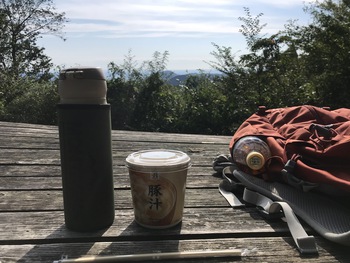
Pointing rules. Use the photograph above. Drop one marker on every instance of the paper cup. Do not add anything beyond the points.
(158, 183)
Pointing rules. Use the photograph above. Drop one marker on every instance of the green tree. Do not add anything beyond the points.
(244, 77)
(204, 106)
(31, 102)
(123, 88)
(325, 45)
(28, 92)
(276, 72)
(272, 73)
(22, 23)
(154, 103)
(140, 97)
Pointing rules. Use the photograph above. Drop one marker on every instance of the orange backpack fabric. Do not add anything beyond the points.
(310, 146)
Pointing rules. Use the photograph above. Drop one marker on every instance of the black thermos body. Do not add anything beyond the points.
(84, 120)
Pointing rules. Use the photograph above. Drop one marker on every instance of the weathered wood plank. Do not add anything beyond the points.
(30, 170)
(55, 170)
(52, 156)
(13, 130)
(117, 146)
(32, 219)
(35, 177)
(29, 156)
(274, 249)
(39, 227)
(120, 181)
(4, 124)
(45, 142)
(119, 149)
(45, 200)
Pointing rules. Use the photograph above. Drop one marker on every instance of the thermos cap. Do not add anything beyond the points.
(82, 73)
(82, 85)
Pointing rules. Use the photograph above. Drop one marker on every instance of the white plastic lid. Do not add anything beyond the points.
(159, 160)
(83, 85)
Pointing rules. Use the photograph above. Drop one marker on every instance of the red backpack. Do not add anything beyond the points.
(310, 156)
(310, 146)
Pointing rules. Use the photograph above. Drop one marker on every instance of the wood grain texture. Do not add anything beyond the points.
(32, 225)
(272, 249)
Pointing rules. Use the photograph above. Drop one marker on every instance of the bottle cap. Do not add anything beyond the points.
(83, 85)
(255, 160)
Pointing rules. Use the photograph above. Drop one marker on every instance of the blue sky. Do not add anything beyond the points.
(99, 32)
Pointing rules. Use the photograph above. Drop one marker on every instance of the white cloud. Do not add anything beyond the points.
(122, 17)
(148, 25)
(154, 17)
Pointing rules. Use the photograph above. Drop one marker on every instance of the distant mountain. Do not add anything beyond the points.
(176, 79)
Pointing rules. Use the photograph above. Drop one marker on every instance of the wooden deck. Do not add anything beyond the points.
(31, 208)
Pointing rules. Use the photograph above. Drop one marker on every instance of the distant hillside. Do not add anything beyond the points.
(177, 79)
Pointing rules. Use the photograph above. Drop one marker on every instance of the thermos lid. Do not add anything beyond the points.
(82, 73)
(159, 160)
(82, 85)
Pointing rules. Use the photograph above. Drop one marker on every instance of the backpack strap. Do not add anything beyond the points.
(274, 209)
(306, 244)
(288, 176)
